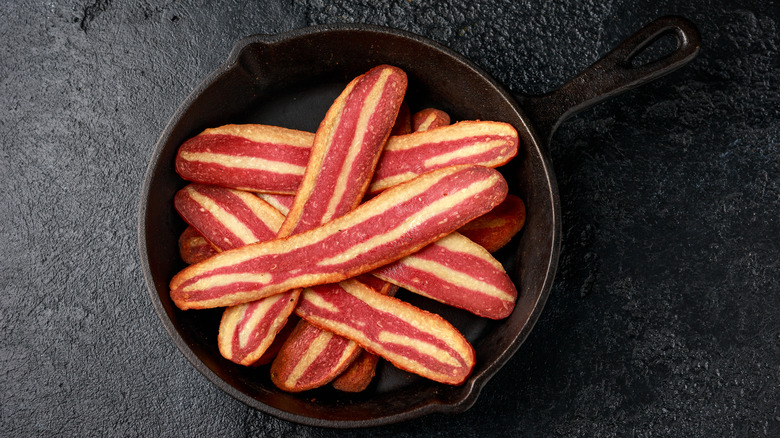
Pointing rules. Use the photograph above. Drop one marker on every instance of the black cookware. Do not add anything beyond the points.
(290, 80)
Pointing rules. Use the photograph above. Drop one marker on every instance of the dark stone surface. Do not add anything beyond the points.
(664, 317)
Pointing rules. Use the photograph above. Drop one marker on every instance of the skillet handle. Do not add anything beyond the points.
(613, 74)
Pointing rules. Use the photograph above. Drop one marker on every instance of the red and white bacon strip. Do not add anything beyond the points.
(428, 119)
(457, 272)
(312, 357)
(193, 247)
(346, 148)
(246, 157)
(490, 144)
(492, 230)
(359, 374)
(496, 228)
(227, 218)
(231, 219)
(394, 224)
(410, 338)
(454, 270)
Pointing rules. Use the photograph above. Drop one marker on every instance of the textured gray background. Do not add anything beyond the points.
(664, 319)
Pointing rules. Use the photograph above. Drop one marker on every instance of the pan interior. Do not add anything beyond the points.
(290, 81)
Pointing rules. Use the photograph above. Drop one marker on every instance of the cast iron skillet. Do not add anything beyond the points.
(290, 80)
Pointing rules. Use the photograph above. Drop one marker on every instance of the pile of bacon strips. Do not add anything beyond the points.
(305, 238)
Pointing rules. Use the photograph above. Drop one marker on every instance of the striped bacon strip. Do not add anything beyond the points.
(496, 228)
(346, 148)
(246, 157)
(231, 219)
(410, 338)
(489, 144)
(484, 143)
(343, 158)
(360, 373)
(429, 118)
(193, 247)
(312, 357)
(493, 230)
(280, 202)
(457, 272)
(227, 218)
(453, 270)
(394, 224)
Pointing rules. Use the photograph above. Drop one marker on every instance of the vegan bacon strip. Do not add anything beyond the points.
(492, 230)
(359, 374)
(489, 144)
(313, 357)
(457, 272)
(410, 338)
(193, 247)
(345, 151)
(231, 219)
(429, 118)
(496, 228)
(392, 225)
(484, 143)
(227, 218)
(246, 157)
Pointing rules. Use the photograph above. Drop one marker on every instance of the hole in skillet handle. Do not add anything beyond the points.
(629, 65)
(664, 44)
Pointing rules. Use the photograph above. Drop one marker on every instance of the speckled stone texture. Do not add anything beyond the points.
(665, 316)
